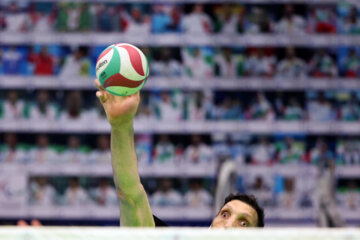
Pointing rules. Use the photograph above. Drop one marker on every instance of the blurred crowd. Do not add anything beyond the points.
(174, 150)
(275, 187)
(71, 193)
(157, 18)
(192, 62)
(273, 192)
(171, 106)
(75, 192)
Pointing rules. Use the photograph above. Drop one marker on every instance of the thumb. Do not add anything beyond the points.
(101, 96)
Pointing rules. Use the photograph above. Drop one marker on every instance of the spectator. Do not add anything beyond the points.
(74, 153)
(320, 109)
(350, 199)
(101, 154)
(143, 148)
(12, 59)
(242, 21)
(12, 108)
(197, 22)
(137, 22)
(289, 151)
(73, 109)
(164, 151)
(161, 20)
(76, 65)
(42, 193)
(261, 109)
(258, 64)
(166, 196)
(288, 199)
(195, 106)
(230, 109)
(15, 18)
(169, 107)
(328, 215)
(166, 66)
(350, 109)
(39, 21)
(291, 23)
(348, 152)
(322, 65)
(176, 15)
(62, 17)
(351, 64)
(43, 109)
(42, 152)
(105, 194)
(145, 114)
(220, 146)
(262, 192)
(11, 151)
(197, 196)
(198, 152)
(85, 18)
(226, 20)
(351, 25)
(75, 195)
(322, 19)
(322, 157)
(197, 64)
(43, 62)
(291, 66)
(263, 152)
(293, 111)
(103, 15)
(259, 21)
(229, 65)
(73, 16)
(226, 147)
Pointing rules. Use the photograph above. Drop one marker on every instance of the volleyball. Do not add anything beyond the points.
(122, 69)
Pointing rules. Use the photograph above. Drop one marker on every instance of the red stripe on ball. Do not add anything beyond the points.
(135, 58)
(119, 80)
(103, 54)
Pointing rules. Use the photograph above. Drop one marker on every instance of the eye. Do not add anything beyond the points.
(244, 223)
(225, 214)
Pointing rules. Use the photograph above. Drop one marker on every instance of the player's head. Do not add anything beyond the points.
(239, 210)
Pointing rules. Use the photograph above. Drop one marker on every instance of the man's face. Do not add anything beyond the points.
(235, 214)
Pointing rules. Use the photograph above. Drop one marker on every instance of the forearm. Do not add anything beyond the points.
(134, 206)
(124, 161)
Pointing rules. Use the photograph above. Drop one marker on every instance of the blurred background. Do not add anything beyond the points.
(269, 86)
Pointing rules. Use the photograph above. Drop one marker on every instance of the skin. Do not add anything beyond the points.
(235, 214)
(134, 205)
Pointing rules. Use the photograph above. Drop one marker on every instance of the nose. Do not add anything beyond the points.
(229, 223)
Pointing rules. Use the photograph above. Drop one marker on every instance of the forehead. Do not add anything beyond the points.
(240, 208)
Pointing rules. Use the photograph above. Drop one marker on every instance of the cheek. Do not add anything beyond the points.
(217, 222)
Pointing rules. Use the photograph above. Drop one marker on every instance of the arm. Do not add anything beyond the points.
(134, 205)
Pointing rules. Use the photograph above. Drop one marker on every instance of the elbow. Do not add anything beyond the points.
(132, 195)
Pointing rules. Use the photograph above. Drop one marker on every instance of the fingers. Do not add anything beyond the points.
(101, 93)
(98, 85)
(101, 96)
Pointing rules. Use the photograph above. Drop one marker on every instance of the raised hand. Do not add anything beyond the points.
(119, 110)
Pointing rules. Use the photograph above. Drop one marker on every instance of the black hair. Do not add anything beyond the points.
(250, 200)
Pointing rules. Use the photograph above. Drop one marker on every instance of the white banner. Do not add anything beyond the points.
(47, 233)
